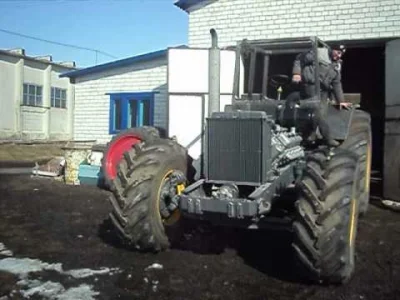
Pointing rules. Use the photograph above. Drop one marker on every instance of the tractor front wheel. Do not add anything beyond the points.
(359, 141)
(326, 219)
(149, 177)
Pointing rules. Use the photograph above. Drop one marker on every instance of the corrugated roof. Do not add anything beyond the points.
(191, 5)
(119, 63)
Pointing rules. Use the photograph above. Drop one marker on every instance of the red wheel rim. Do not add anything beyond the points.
(116, 151)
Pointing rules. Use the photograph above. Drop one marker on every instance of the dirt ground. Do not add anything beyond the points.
(66, 227)
(30, 152)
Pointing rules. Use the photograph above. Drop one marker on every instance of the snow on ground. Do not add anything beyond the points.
(4, 251)
(23, 267)
(154, 266)
(56, 291)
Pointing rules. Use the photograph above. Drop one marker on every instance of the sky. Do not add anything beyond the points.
(122, 28)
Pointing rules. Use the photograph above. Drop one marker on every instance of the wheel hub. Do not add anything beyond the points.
(172, 186)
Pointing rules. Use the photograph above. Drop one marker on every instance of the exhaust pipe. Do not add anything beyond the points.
(214, 70)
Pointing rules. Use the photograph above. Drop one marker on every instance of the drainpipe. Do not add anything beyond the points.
(214, 74)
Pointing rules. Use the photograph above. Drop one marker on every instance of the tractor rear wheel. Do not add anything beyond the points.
(359, 141)
(148, 178)
(124, 141)
(326, 216)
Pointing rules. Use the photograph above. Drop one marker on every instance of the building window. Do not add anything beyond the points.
(129, 110)
(32, 95)
(58, 97)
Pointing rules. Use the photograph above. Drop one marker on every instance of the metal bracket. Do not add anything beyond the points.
(198, 207)
(235, 210)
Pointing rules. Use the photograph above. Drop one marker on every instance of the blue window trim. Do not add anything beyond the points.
(124, 98)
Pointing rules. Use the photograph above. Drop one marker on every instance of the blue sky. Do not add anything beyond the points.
(122, 28)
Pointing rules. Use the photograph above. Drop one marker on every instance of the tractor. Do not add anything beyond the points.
(252, 153)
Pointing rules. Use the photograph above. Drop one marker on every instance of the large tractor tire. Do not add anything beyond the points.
(326, 217)
(126, 140)
(148, 178)
(359, 141)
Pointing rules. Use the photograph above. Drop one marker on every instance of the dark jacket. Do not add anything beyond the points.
(329, 76)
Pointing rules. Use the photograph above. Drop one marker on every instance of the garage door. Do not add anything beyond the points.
(391, 185)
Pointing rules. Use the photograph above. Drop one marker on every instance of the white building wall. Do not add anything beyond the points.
(18, 121)
(262, 19)
(59, 127)
(33, 118)
(92, 104)
(7, 96)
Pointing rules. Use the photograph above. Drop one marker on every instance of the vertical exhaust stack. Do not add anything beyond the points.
(214, 74)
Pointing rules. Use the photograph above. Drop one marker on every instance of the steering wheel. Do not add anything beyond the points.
(279, 80)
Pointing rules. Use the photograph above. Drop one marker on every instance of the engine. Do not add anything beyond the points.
(285, 146)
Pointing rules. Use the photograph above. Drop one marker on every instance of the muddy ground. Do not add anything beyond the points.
(29, 152)
(52, 223)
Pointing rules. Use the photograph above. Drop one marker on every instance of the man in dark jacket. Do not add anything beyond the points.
(330, 80)
(329, 75)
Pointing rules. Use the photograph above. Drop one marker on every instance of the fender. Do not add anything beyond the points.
(339, 121)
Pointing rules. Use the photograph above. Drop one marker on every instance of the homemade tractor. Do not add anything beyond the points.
(254, 153)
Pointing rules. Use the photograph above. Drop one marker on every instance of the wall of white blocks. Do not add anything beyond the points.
(92, 105)
(263, 19)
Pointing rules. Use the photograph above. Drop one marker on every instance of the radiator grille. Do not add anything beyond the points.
(238, 147)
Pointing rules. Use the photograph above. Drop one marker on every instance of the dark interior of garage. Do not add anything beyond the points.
(363, 73)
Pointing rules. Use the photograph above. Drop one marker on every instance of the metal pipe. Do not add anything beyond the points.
(265, 77)
(236, 76)
(214, 74)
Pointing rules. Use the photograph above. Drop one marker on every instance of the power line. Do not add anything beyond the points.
(58, 43)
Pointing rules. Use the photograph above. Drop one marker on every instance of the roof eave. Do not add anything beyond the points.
(116, 64)
(192, 5)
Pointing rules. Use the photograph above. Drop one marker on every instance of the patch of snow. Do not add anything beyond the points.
(23, 266)
(56, 291)
(82, 292)
(154, 266)
(47, 289)
(80, 236)
(6, 253)
(83, 273)
(146, 280)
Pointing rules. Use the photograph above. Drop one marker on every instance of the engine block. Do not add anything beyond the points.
(286, 146)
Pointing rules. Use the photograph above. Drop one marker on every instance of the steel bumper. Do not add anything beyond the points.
(233, 208)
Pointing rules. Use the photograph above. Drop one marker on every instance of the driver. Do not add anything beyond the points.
(330, 74)
(330, 80)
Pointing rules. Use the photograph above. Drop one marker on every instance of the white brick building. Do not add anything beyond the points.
(34, 102)
(255, 19)
(125, 93)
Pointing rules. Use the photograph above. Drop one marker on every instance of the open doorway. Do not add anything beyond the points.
(364, 72)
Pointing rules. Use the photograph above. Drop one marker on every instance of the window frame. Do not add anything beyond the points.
(125, 99)
(28, 94)
(53, 96)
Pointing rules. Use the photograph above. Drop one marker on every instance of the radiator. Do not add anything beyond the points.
(238, 147)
